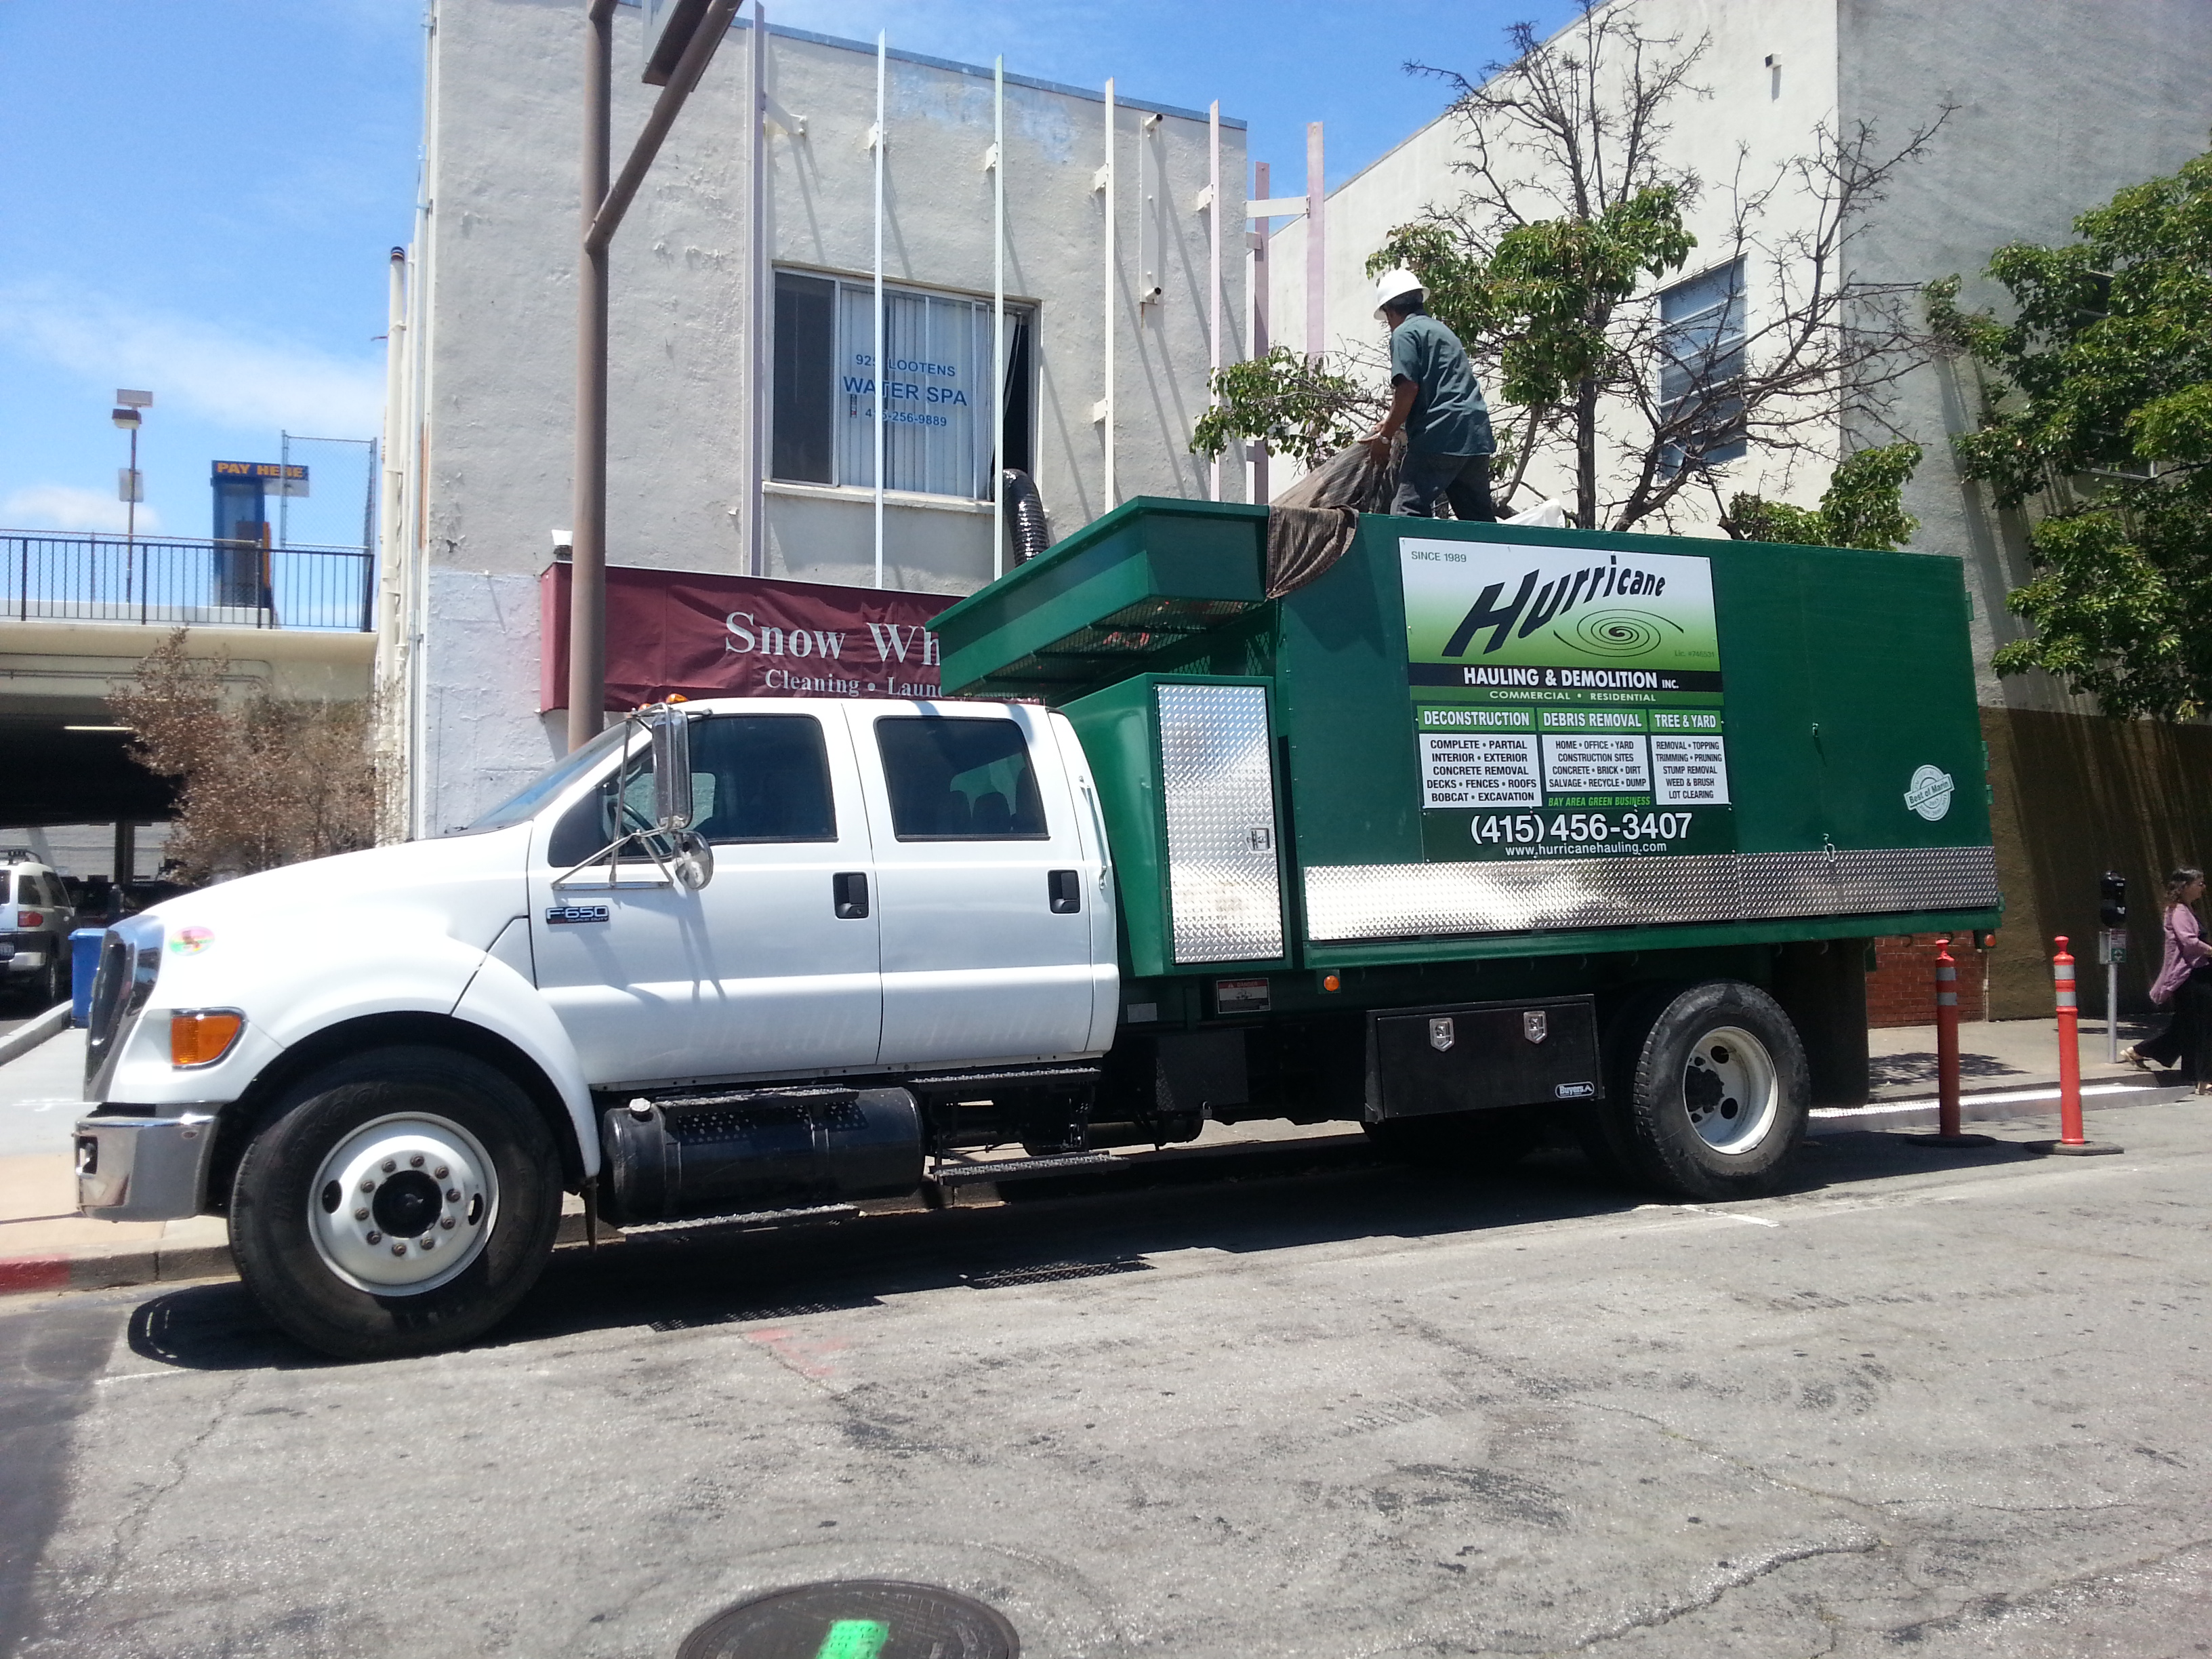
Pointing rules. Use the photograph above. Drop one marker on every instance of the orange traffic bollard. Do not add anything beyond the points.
(1947, 1058)
(2070, 1138)
(2070, 1049)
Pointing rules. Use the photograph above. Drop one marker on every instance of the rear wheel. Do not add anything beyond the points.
(51, 985)
(1707, 1091)
(403, 1201)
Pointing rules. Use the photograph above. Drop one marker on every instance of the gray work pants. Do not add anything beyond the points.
(1463, 480)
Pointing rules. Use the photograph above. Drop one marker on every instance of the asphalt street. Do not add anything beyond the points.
(1953, 1403)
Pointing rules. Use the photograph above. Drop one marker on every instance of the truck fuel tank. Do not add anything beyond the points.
(727, 1151)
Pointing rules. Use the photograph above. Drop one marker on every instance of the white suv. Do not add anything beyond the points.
(36, 918)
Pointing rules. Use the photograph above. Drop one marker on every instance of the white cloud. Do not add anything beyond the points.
(250, 384)
(66, 507)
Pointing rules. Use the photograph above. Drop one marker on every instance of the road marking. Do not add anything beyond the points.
(1706, 1212)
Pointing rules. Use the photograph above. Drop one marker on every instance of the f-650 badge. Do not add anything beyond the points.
(558, 913)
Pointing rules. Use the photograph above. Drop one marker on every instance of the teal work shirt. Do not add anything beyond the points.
(1448, 417)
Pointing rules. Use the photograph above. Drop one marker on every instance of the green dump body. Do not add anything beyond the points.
(1587, 746)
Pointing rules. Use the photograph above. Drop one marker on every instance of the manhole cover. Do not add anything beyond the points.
(855, 1618)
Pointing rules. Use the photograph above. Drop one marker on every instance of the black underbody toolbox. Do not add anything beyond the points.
(1470, 1056)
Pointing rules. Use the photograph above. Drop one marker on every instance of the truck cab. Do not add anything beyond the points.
(854, 895)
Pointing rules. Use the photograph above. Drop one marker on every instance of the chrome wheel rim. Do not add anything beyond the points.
(1732, 1090)
(403, 1205)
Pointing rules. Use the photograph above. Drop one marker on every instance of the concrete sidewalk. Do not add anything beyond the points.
(1995, 1054)
(2010, 1070)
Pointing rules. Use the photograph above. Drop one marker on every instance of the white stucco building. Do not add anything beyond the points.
(741, 426)
(2053, 107)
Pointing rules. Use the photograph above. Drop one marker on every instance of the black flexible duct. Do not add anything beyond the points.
(1031, 534)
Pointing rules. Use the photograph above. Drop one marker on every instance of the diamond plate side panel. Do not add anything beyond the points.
(1410, 901)
(1401, 900)
(1217, 781)
(1870, 881)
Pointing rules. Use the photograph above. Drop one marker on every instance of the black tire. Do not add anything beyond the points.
(1693, 1110)
(1463, 1142)
(281, 1248)
(54, 977)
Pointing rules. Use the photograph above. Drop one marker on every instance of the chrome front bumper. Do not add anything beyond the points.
(144, 1168)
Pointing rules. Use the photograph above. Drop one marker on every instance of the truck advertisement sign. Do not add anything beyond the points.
(1566, 701)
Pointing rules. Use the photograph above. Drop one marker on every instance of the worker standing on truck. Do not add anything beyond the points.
(1433, 397)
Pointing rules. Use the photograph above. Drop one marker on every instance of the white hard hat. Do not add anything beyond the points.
(1395, 285)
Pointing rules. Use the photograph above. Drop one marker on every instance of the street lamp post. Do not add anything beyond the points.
(681, 36)
(131, 486)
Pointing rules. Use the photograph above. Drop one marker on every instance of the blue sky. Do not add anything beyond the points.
(199, 198)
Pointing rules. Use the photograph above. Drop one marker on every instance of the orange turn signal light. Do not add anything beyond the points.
(204, 1037)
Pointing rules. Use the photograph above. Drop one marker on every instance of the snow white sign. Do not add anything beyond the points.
(745, 636)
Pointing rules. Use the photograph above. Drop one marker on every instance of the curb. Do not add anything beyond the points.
(20, 1275)
(2011, 1104)
(155, 1264)
(29, 1035)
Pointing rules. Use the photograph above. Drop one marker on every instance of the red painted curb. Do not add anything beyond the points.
(34, 1272)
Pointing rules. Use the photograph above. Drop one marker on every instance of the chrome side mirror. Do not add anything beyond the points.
(670, 729)
(694, 864)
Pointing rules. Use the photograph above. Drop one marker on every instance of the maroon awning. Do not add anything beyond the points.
(723, 637)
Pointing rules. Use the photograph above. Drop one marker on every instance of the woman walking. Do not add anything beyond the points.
(2184, 979)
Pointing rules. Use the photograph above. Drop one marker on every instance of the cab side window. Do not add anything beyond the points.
(761, 778)
(960, 780)
(754, 778)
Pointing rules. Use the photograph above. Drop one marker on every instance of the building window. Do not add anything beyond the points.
(1701, 328)
(806, 343)
(944, 426)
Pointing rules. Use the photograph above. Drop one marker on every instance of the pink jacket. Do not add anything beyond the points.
(2184, 948)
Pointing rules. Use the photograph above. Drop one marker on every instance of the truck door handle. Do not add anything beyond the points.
(1066, 890)
(848, 890)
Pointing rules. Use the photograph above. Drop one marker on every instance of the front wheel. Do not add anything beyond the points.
(1708, 1099)
(400, 1201)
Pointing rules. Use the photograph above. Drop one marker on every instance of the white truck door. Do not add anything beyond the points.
(988, 887)
(771, 967)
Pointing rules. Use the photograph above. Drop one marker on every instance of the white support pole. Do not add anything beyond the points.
(1213, 274)
(882, 141)
(1257, 275)
(1106, 402)
(1317, 261)
(764, 283)
(999, 317)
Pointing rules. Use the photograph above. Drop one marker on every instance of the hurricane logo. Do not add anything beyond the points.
(1620, 633)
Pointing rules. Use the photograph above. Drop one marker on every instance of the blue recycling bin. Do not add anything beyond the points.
(84, 962)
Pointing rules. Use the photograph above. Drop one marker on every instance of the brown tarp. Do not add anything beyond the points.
(1311, 523)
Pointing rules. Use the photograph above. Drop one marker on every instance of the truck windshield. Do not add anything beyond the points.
(551, 782)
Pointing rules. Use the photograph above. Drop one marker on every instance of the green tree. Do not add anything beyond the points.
(2097, 416)
(1863, 506)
